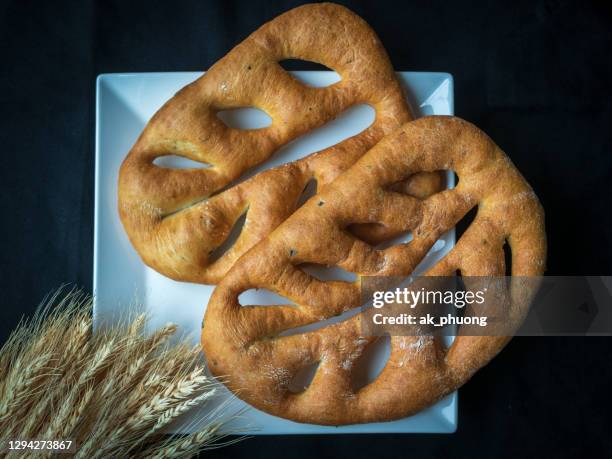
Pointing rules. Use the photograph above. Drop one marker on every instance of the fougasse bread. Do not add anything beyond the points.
(177, 218)
(260, 349)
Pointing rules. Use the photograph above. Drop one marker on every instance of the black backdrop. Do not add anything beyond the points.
(535, 76)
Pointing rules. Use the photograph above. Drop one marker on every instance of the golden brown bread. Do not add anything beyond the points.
(245, 343)
(176, 218)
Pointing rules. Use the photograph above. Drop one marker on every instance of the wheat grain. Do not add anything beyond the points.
(110, 391)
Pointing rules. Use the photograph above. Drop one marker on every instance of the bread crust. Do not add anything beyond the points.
(246, 343)
(176, 218)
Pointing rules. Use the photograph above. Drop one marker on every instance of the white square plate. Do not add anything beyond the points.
(124, 103)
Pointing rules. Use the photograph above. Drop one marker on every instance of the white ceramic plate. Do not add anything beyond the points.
(124, 103)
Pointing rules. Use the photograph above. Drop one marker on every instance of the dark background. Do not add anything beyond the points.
(535, 76)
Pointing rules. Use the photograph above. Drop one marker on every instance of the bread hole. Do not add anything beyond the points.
(261, 297)
(401, 239)
(507, 257)
(309, 191)
(346, 315)
(373, 234)
(301, 64)
(349, 123)
(454, 180)
(302, 379)
(435, 253)
(421, 185)
(465, 222)
(179, 162)
(309, 78)
(438, 245)
(328, 273)
(370, 233)
(371, 363)
(446, 341)
(245, 118)
(231, 239)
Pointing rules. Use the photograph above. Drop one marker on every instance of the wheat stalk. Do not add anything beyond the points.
(112, 392)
